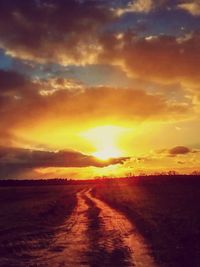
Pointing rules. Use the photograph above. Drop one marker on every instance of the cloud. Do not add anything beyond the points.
(146, 6)
(52, 31)
(163, 59)
(10, 80)
(52, 85)
(179, 150)
(18, 160)
(193, 7)
(167, 159)
(175, 151)
(139, 6)
(75, 33)
(31, 103)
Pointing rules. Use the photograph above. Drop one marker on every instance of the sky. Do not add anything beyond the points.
(92, 88)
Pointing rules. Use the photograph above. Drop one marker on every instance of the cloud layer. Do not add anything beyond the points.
(48, 30)
(179, 150)
(193, 7)
(14, 161)
(26, 103)
(157, 58)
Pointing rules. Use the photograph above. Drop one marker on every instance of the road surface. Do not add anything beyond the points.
(94, 235)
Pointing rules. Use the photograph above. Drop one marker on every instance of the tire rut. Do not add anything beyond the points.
(123, 245)
(102, 252)
(95, 235)
(70, 244)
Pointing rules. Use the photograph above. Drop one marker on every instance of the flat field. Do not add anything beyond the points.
(141, 222)
(166, 211)
(29, 217)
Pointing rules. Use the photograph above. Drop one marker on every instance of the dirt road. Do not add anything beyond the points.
(94, 235)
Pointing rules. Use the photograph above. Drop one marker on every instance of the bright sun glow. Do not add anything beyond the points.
(105, 141)
(109, 152)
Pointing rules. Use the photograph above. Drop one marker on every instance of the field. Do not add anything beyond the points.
(29, 216)
(142, 222)
(165, 211)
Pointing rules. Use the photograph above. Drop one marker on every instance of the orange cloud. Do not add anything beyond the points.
(164, 59)
(143, 6)
(28, 103)
(193, 7)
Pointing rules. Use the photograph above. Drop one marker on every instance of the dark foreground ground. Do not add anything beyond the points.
(28, 220)
(166, 211)
(143, 222)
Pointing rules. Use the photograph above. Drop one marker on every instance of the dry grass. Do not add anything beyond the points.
(166, 212)
(29, 216)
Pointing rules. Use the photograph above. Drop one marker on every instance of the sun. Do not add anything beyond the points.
(105, 141)
(107, 153)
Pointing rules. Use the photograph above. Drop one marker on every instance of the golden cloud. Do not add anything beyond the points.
(68, 101)
(193, 7)
(143, 6)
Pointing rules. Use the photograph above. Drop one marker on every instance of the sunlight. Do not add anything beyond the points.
(105, 140)
(109, 152)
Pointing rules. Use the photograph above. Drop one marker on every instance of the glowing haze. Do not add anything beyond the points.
(99, 88)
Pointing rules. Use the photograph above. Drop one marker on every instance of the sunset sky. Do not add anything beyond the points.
(99, 87)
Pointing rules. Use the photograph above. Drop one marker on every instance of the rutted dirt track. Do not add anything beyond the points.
(94, 235)
(118, 238)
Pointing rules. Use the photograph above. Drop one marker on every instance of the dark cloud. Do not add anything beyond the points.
(147, 6)
(74, 32)
(156, 58)
(18, 160)
(179, 150)
(14, 85)
(10, 80)
(48, 30)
